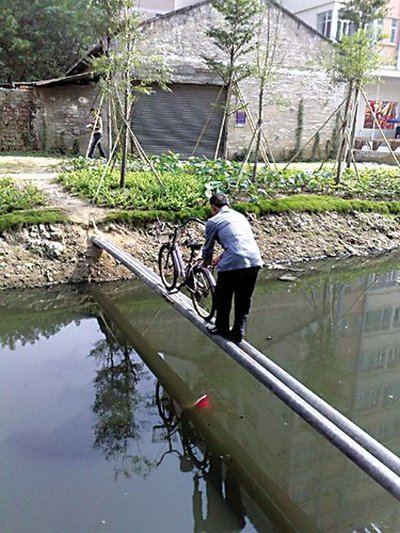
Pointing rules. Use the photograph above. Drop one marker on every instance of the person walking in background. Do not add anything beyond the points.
(238, 266)
(96, 125)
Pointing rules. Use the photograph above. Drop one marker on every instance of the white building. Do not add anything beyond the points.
(383, 96)
(151, 8)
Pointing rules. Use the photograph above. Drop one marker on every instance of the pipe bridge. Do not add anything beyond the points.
(367, 453)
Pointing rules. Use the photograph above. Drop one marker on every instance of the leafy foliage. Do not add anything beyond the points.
(355, 59)
(13, 198)
(40, 38)
(362, 12)
(17, 205)
(188, 184)
(233, 36)
(142, 189)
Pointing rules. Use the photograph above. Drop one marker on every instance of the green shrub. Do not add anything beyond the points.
(188, 183)
(14, 197)
(142, 188)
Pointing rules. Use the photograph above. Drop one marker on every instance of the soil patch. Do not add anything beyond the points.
(45, 255)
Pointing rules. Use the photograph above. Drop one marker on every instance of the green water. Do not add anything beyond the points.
(98, 432)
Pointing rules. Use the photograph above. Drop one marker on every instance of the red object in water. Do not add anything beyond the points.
(203, 402)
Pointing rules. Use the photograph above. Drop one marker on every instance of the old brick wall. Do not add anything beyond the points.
(50, 118)
(18, 113)
(300, 84)
(65, 112)
(53, 117)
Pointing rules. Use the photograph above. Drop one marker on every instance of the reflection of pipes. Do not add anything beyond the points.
(364, 439)
(276, 504)
(346, 444)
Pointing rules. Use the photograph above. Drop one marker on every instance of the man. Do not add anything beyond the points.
(96, 125)
(238, 265)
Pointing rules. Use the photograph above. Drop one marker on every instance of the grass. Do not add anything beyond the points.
(19, 203)
(33, 217)
(14, 197)
(186, 186)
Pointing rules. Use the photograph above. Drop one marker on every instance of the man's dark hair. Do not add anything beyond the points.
(219, 199)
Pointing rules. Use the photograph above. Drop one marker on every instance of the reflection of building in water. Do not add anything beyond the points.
(358, 325)
(342, 339)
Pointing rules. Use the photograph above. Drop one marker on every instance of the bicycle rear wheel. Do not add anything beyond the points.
(167, 266)
(203, 293)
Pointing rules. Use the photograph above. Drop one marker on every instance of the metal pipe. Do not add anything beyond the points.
(388, 458)
(341, 440)
(270, 497)
(382, 453)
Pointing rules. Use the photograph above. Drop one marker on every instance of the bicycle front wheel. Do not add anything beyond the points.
(168, 266)
(203, 293)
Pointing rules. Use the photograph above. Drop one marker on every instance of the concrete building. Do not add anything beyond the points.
(383, 96)
(188, 118)
(151, 8)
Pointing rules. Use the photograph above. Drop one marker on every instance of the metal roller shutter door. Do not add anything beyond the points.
(175, 120)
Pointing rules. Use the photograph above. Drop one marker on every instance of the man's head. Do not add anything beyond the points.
(217, 202)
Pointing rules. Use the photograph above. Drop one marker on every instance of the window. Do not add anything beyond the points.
(393, 31)
(324, 23)
(344, 27)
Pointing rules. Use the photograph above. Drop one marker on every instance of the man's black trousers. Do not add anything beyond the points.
(239, 284)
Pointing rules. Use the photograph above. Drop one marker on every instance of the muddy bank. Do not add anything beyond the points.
(46, 255)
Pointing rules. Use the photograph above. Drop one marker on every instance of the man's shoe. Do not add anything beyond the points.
(214, 331)
(235, 337)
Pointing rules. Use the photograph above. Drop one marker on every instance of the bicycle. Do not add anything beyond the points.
(176, 422)
(197, 279)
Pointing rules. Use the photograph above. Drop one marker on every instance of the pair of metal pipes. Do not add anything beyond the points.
(372, 457)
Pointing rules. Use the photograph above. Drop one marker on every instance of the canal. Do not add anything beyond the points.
(102, 430)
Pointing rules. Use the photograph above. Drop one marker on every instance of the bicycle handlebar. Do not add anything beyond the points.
(190, 219)
(177, 227)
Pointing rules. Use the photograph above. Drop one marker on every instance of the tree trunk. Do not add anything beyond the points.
(259, 130)
(343, 141)
(353, 127)
(124, 155)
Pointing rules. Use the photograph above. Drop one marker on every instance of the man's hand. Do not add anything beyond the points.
(216, 260)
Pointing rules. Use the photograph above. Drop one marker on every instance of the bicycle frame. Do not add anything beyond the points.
(182, 271)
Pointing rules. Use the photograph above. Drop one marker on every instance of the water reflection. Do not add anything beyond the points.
(119, 407)
(250, 463)
(214, 485)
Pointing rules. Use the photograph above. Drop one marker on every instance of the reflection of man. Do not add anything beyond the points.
(238, 265)
(96, 124)
(225, 511)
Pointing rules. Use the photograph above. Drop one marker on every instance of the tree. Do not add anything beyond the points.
(118, 406)
(363, 12)
(127, 69)
(233, 36)
(353, 62)
(40, 39)
(265, 66)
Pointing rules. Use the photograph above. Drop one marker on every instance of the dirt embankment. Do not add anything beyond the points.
(45, 255)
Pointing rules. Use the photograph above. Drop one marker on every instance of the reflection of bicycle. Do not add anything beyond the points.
(197, 279)
(175, 422)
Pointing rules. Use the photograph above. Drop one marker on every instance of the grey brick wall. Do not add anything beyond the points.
(299, 76)
(65, 111)
(47, 118)
(18, 120)
(53, 117)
